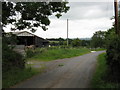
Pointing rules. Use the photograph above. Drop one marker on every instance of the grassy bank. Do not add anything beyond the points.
(58, 53)
(15, 76)
(98, 49)
(99, 78)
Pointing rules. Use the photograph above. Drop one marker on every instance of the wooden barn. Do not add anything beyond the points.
(27, 39)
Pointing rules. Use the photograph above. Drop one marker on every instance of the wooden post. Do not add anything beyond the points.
(67, 33)
(116, 17)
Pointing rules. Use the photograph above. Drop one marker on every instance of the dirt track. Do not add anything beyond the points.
(65, 73)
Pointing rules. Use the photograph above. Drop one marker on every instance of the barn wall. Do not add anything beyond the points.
(38, 42)
(25, 40)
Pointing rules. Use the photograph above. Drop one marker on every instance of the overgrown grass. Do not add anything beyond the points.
(58, 53)
(97, 81)
(15, 76)
(98, 49)
(99, 78)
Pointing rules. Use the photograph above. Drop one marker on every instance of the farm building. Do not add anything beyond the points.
(27, 39)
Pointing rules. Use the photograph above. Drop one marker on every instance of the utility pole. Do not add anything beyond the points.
(116, 17)
(67, 33)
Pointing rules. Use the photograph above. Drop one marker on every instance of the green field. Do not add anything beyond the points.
(58, 53)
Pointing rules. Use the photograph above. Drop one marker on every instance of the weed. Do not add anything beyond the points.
(61, 65)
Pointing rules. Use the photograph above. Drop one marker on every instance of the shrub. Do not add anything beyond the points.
(10, 58)
(29, 53)
(113, 57)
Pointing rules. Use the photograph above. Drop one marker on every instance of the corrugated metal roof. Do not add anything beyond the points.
(25, 33)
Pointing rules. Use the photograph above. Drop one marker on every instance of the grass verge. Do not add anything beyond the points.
(98, 49)
(59, 53)
(15, 76)
(99, 80)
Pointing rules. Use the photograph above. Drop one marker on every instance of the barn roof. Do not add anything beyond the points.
(25, 33)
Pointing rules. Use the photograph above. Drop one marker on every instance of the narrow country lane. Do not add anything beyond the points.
(74, 73)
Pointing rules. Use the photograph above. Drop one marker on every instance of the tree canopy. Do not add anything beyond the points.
(76, 42)
(98, 39)
(31, 14)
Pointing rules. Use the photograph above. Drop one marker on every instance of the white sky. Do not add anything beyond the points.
(84, 19)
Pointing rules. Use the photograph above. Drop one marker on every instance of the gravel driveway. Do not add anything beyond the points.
(65, 73)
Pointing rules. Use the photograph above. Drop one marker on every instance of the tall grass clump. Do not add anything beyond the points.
(16, 75)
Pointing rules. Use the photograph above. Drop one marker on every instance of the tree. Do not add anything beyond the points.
(61, 41)
(31, 14)
(76, 42)
(109, 35)
(85, 42)
(98, 39)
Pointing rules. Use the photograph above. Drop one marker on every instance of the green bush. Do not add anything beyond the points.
(10, 58)
(113, 58)
(29, 53)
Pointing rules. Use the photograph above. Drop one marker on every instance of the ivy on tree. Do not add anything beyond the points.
(31, 14)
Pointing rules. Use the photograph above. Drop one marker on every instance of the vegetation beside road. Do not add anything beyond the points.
(98, 49)
(53, 53)
(108, 68)
(100, 77)
(17, 75)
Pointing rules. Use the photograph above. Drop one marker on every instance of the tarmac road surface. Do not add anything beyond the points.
(65, 73)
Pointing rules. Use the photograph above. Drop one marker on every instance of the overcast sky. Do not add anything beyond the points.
(85, 18)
